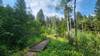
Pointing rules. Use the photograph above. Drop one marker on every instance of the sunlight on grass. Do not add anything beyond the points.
(88, 44)
(61, 39)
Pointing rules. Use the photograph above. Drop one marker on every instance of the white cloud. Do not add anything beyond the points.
(48, 6)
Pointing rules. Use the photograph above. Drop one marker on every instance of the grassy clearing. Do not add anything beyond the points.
(88, 45)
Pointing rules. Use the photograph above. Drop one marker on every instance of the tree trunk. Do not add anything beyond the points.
(75, 18)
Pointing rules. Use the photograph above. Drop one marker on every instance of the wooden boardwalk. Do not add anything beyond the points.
(37, 48)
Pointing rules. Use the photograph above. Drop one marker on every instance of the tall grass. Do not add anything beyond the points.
(88, 45)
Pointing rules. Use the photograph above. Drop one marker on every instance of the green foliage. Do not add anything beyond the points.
(87, 23)
(15, 27)
(87, 46)
(64, 2)
(97, 9)
(57, 48)
(18, 29)
(21, 6)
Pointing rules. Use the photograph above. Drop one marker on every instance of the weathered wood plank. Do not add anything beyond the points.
(40, 46)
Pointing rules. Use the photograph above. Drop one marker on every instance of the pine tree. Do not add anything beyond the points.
(21, 6)
(97, 22)
(79, 20)
(98, 9)
(40, 16)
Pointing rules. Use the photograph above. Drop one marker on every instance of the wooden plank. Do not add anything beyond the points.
(40, 46)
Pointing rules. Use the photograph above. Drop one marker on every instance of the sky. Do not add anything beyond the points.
(86, 7)
(10, 2)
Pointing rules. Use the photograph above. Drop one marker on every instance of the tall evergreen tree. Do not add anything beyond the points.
(21, 11)
(40, 16)
(79, 20)
(97, 9)
(79, 16)
(97, 22)
(21, 6)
